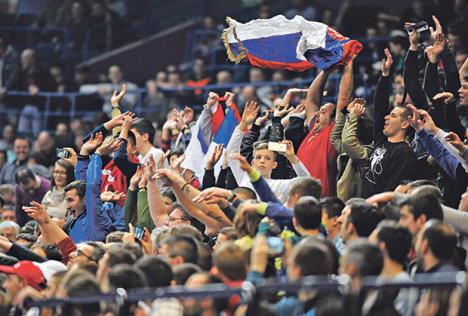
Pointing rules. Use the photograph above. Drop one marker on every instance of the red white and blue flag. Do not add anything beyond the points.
(280, 43)
(214, 126)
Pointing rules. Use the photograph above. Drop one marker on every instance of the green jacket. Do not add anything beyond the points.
(137, 210)
(344, 139)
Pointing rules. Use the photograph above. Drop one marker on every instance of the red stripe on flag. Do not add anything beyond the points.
(300, 66)
(218, 118)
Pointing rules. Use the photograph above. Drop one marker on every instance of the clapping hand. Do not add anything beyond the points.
(109, 196)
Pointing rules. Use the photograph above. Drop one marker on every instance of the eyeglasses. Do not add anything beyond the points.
(80, 252)
(173, 219)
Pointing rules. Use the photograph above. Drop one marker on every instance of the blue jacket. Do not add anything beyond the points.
(264, 191)
(441, 155)
(94, 223)
(275, 210)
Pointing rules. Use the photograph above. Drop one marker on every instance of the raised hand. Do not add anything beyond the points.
(386, 63)
(250, 114)
(127, 122)
(175, 165)
(289, 153)
(117, 97)
(73, 159)
(438, 29)
(453, 139)
(415, 120)
(150, 168)
(447, 97)
(261, 120)
(212, 99)
(412, 35)
(298, 110)
(428, 122)
(214, 192)
(118, 120)
(142, 183)
(358, 106)
(169, 177)
(135, 179)
(109, 146)
(146, 242)
(187, 116)
(281, 111)
(244, 164)
(129, 237)
(215, 156)
(37, 212)
(90, 146)
(436, 49)
(229, 98)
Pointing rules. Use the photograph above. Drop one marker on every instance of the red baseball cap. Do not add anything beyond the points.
(36, 274)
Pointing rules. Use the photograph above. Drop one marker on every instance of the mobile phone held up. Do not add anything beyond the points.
(139, 232)
(62, 153)
(419, 27)
(279, 147)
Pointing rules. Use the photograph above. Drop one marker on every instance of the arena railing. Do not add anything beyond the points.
(74, 111)
(251, 293)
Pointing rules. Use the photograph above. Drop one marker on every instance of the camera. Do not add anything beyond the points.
(62, 153)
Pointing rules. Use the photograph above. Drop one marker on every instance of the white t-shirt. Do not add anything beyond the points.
(156, 152)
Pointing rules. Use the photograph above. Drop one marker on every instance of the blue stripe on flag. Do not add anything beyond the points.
(278, 48)
(204, 146)
(227, 128)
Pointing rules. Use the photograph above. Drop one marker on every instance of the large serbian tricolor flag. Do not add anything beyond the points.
(280, 43)
(214, 126)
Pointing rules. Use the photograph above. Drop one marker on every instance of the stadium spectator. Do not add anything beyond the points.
(29, 187)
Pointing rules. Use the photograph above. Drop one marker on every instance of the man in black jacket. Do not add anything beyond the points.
(391, 159)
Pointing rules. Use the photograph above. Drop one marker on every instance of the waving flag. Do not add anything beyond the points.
(214, 126)
(280, 43)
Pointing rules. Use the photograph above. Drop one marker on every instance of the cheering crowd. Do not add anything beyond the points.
(301, 188)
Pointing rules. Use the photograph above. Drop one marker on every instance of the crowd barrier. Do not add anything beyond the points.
(250, 293)
(74, 111)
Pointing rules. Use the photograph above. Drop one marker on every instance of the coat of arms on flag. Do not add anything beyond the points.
(280, 43)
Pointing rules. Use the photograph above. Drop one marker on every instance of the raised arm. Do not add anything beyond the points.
(248, 117)
(431, 79)
(98, 222)
(351, 144)
(344, 98)
(155, 200)
(50, 231)
(121, 160)
(115, 102)
(381, 99)
(86, 149)
(210, 215)
(315, 94)
(411, 71)
(260, 185)
(144, 214)
(131, 215)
